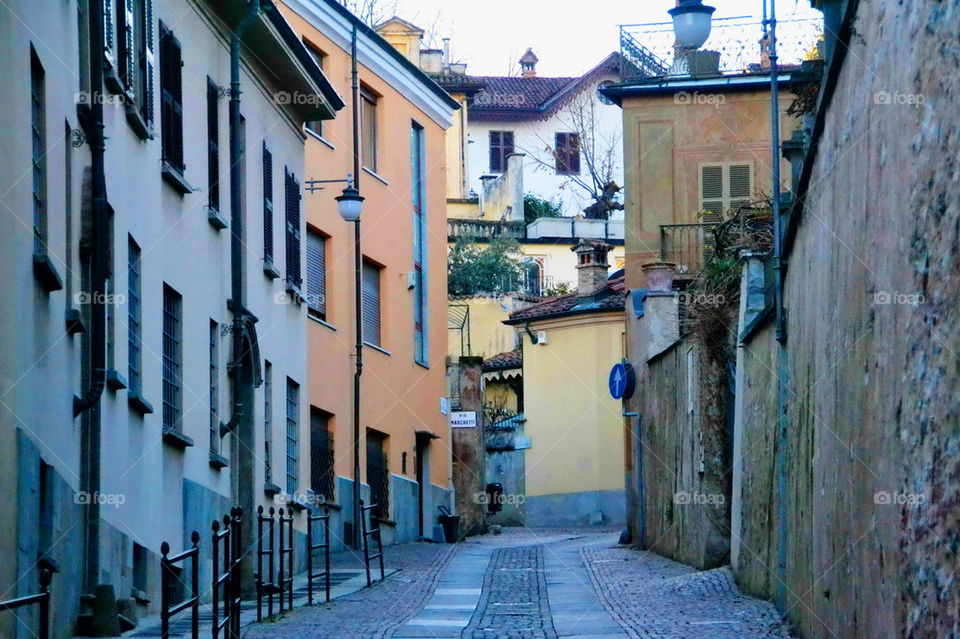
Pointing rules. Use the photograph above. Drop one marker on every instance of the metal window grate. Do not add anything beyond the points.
(322, 471)
(172, 359)
(267, 421)
(134, 353)
(39, 159)
(378, 474)
(293, 408)
(214, 386)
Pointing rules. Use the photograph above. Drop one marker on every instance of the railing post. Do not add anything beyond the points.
(366, 548)
(165, 574)
(281, 575)
(326, 546)
(195, 585)
(310, 557)
(272, 562)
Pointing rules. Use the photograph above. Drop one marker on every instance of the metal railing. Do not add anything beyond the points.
(42, 599)
(170, 574)
(227, 555)
(285, 560)
(265, 584)
(686, 245)
(369, 531)
(484, 229)
(324, 546)
(641, 61)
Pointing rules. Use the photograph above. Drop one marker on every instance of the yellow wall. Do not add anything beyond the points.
(665, 141)
(399, 395)
(575, 427)
(488, 334)
(560, 263)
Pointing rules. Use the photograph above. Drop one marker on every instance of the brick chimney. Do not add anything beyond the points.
(528, 64)
(592, 267)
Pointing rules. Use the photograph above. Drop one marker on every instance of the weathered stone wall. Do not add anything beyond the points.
(871, 294)
(469, 450)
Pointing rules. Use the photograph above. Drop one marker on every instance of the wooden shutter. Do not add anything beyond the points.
(711, 191)
(267, 205)
(317, 274)
(147, 65)
(567, 153)
(371, 303)
(740, 185)
(292, 195)
(107, 31)
(126, 47)
(171, 90)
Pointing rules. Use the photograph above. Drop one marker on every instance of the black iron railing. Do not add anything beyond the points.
(41, 599)
(369, 531)
(324, 520)
(687, 245)
(227, 556)
(266, 530)
(285, 560)
(170, 572)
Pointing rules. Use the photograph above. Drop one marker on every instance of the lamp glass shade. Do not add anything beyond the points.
(349, 203)
(691, 24)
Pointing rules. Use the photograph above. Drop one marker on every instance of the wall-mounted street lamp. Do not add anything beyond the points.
(350, 203)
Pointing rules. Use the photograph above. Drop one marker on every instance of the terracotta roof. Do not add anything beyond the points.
(611, 299)
(503, 361)
(518, 98)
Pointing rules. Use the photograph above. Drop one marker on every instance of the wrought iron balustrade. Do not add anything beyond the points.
(687, 245)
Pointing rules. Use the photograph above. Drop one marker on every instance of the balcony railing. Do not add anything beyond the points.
(649, 48)
(484, 229)
(687, 245)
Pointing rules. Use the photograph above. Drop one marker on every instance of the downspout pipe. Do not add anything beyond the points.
(358, 294)
(237, 302)
(100, 246)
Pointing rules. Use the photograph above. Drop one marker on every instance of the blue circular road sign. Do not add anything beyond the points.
(622, 381)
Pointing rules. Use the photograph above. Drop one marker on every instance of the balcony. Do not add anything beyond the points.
(543, 229)
(484, 230)
(687, 246)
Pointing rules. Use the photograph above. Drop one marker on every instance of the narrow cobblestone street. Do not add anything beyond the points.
(535, 584)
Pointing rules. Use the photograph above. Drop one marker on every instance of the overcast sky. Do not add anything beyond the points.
(569, 37)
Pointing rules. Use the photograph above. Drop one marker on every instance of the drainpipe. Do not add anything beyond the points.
(100, 246)
(238, 306)
(358, 294)
(780, 327)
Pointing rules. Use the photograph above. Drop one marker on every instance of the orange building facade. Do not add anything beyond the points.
(405, 458)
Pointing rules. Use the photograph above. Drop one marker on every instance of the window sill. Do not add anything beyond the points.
(139, 404)
(74, 321)
(115, 380)
(386, 522)
(140, 595)
(296, 505)
(377, 348)
(375, 175)
(294, 289)
(320, 138)
(174, 177)
(270, 489)
(137, 123)
(216, 220)
(176, 439)
(46, 273)
(422, 364)
(322, 322)
(218, 461)
(271, 271)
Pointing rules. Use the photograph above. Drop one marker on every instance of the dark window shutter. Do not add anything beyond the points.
(126, 56)
(567, 153)
(171, 91)
(292, 194)
(317, 274)
(267, 205)
(213, 146)
(147, 64)
(495, 152)
(371, 303)
(108, 29)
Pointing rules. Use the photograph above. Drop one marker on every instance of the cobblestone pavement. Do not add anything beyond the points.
(534, 584)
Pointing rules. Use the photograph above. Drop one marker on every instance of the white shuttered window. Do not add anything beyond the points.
(724, 187)
(316, 274)
(371, 303)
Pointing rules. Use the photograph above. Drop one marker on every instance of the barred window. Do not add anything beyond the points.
(267, 422)
(322, 473)
(172, 359)
(38, 132)
(214, 386)
(213, 146)
(134, 351)
(293, 419)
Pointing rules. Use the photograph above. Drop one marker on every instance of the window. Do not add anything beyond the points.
(267, 206)
(501, 145)
(724, 187)
(172, 360)
(533, 276)
(315, 126)
(322, 473)
(292, 203)
(213, 146)
(141, 563)
(267, 422)
(567, 153)
(134, 351)
(368, 127)
(378, 473)
(316, 274)
(418, 188)
(214, 387)
(134, 59)
(293, 408)
(371, 303)
(171, 100)
(38, 133)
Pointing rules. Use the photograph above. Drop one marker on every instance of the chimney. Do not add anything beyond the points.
(528, 64)
(446, 52)
(592, 267)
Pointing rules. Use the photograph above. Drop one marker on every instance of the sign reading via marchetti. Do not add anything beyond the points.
(622, 381)
(463, 419)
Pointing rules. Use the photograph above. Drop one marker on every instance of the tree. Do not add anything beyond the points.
(597, 149)
(535, 207)
(372, 12)
(492, 268)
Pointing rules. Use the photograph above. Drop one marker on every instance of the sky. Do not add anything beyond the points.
(569, 37)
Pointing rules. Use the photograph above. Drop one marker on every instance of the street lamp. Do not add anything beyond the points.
(691, 27)
(349, 203)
